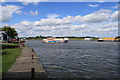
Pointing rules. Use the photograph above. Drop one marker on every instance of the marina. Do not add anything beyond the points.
(59, 40)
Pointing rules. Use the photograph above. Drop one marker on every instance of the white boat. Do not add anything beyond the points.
(55, 40)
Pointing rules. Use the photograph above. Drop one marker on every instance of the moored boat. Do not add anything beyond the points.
(55, 40)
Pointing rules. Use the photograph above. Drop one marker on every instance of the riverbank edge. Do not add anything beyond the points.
(22, 67)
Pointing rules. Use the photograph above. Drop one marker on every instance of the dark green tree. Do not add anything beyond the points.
(11, 32)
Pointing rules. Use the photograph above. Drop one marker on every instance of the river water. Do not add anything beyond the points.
(78, 59)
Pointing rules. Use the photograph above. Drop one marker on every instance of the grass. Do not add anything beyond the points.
(8, 58)
(76, 38)
(11, 44)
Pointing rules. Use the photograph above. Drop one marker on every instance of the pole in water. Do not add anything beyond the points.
(32, 56)
(32, 73)
(32, 50)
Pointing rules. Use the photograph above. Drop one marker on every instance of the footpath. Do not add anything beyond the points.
(26, 66)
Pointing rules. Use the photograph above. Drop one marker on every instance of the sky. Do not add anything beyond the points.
(98, 19)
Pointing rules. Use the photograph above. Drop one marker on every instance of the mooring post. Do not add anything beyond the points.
(32, 73)
(32, 50)
(32, 56)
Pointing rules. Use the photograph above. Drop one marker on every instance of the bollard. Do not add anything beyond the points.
(32, 73)
(32, 56)
(32, 50)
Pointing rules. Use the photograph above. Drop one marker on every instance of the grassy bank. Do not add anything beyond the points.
(76, 38)
(11, 44)
(8, 57)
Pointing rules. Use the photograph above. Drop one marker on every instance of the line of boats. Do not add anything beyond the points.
(65, 40)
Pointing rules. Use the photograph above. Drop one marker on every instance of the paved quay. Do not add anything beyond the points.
(22, 67)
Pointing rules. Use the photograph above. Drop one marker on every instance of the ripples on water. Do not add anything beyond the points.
(78, 59)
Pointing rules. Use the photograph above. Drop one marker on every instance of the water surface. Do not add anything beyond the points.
(78, 59)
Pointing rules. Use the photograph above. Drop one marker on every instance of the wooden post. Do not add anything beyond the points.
(32, 56)
(32, 73)
(32, 50)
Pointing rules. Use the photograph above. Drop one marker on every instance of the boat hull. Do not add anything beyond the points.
(55, 40)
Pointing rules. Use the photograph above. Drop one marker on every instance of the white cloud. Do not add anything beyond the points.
(18, 12)
(5, 25)
(35, 2)
(96, 17)
(104, 11)
(2, 0)
(34, 12)
(69, 19)
(60, 0)
(52, 16)
(40, 28)
(115, 16)
(93, 5)
(101, 15)
(108, 29)
(70, 25)
(101, 1)
(31, 12)
(7, 12)
(111, 26)
(115, 7)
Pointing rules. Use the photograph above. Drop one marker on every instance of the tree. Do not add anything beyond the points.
(11, 32)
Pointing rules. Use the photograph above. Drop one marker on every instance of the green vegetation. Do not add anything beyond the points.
(76, 38)
(8, 58)
(11, 32)
(37, 37)
(11, 44)
(70, 37)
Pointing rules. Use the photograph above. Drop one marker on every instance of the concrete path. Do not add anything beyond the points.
(22, 67)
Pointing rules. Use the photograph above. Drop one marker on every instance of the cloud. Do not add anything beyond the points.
(35, 2)
(95, 17)
(115, 16)
(2, 0)
(18, 12)
(50, 22)
(7, 12)
(31, 29)
(31, 12)
(64, 29)
(52, 16)
(93, 5)
(101, 1)
(108, 29)
(104, 11)
(59, 1)
(26, 28)
(93, 24)
(34, 12)
(115, 7)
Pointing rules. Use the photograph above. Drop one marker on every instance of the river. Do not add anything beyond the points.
(78, 59)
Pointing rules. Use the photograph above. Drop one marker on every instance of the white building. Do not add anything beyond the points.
(3, 36)
(88, 39)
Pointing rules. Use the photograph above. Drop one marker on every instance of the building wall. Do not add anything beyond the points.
(3, 36)
(88, 39)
